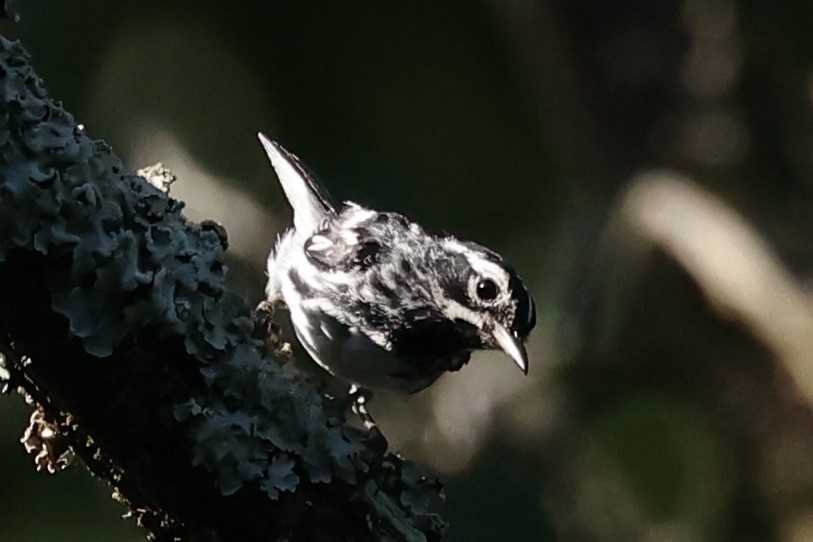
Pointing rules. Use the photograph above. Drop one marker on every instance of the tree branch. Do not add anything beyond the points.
(118, 327)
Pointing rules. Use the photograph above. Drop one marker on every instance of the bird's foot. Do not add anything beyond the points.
(266, 329)
(263, 316)
(360, 396)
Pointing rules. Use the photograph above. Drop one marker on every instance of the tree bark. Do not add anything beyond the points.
(115, 323)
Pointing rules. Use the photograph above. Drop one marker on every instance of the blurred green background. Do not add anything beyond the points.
(647, 166)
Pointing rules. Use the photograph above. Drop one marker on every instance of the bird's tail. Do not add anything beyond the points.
(310, 201)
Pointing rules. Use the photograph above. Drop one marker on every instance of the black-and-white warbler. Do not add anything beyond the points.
(379, 302)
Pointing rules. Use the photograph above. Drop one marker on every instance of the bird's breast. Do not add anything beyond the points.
(348, 354)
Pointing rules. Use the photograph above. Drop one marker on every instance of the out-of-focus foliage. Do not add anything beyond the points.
(669, 389)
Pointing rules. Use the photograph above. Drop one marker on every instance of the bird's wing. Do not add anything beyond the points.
(340, 245)
(309, 200)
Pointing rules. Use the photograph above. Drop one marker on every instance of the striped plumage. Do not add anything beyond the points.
(381, 303)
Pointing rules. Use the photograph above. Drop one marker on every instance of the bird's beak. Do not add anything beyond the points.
(511, 345)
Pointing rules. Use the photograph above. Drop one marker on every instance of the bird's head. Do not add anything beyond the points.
(486, 297)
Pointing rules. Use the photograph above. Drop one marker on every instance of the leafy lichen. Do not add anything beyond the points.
(120, 262)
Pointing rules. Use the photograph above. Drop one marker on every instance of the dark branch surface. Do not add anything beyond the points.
(115, 323)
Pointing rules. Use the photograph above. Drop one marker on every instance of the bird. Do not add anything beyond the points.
(378, 301)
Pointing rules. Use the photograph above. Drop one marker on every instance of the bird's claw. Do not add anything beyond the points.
(266, 329)
(360, 396)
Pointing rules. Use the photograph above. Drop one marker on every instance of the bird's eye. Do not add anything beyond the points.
(487, 290)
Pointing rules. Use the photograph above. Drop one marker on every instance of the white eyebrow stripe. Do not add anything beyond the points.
(483, 266)
(489, 269)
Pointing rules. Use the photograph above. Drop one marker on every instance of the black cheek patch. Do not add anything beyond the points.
(458, 293)
(455, 273)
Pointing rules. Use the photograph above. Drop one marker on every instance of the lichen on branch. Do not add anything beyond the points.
(114, 317)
